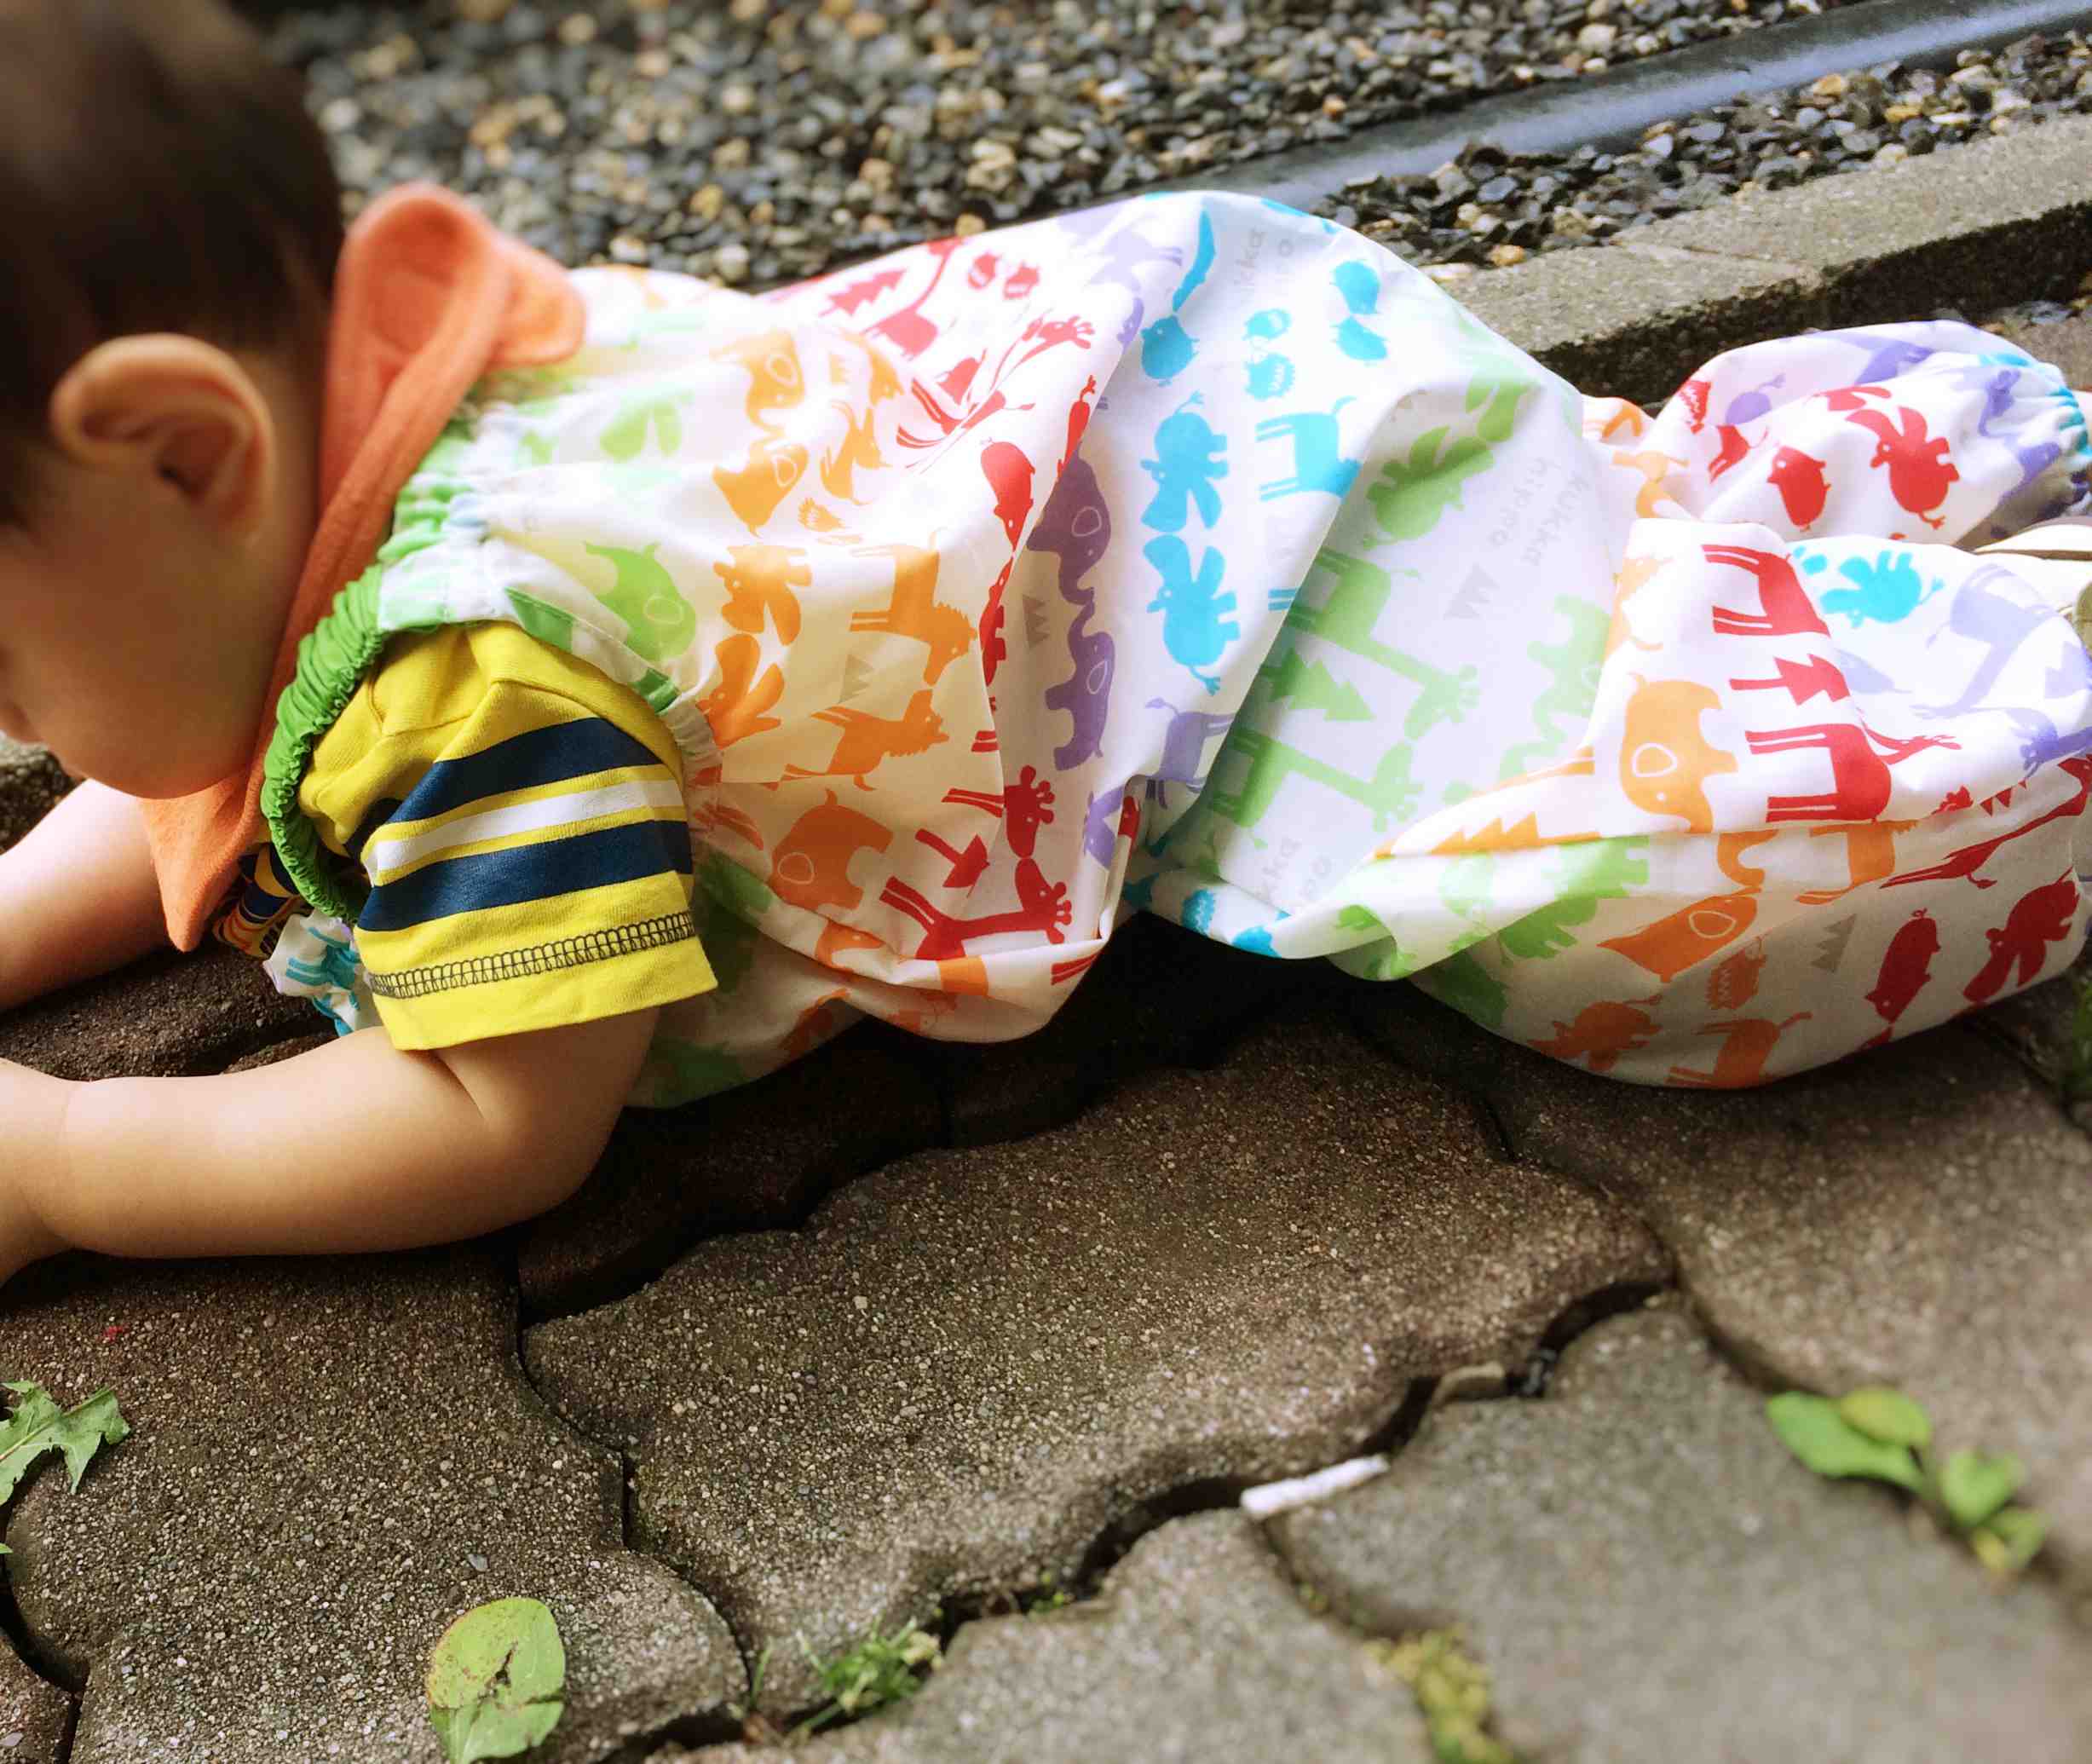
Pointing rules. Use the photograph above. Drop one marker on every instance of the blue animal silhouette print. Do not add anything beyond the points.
(337, 969)
(1361, 289)
(1166, 349)
(1883, 591)
(1271, 374)
(1186, 466)
(1318, 458)
(1191, 604)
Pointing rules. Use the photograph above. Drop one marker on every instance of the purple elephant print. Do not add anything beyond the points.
(1076, 525)
(1184, 748)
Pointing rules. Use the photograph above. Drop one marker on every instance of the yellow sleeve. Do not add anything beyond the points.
(520, 817)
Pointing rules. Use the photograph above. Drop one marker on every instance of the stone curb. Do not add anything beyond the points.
(1975, 228)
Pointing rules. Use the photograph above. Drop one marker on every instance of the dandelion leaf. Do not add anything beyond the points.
(36, 1425)
(1883, 1413)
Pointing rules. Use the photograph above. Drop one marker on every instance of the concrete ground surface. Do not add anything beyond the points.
(920, 1332)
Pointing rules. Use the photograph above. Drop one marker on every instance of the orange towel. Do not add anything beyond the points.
(427, 297)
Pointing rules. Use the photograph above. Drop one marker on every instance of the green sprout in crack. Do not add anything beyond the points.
(878, 1671)
(1878, 1431)
(1451, 1691)
(1051, 1596)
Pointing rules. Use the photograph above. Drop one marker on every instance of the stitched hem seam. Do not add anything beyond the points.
(540, 958)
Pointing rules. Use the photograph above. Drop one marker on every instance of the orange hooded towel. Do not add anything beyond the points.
(429, 297)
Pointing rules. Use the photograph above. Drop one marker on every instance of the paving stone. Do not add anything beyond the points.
(2067, 344)
(324, 1453)
(753, 1158)
(1158, 996)
(168, 1016)
(1631, 320)
(974, 1367)
(31, 781)
(1196, 1648)
(1921, 1215)
(2001, 221)
(1649, 1577)
(35, 1714)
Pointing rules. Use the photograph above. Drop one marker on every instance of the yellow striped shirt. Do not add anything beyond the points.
(521, 818)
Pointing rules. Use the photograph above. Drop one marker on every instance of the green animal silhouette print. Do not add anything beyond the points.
(1585, 873)
(658, 621)
(1500, 378)
(1465, 885)
(1411, 497)
(532, 449)
(1573, 667)
(626, 436)
(1463, 983)
(1390, 961)
(1310, 686)
(1389, 792)
(1358, 596)
(547, 623)
(740, 890)
(729, 941)
(688, 1069)
(646, 327)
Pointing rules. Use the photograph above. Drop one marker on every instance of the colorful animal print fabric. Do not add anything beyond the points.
(1198, 556)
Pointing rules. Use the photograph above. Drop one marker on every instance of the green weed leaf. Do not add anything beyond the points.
(494, 1680)
(36, 1426)
(1972, 1486)
(1883, 1413)
(1812, 1428)
(2009, 1539)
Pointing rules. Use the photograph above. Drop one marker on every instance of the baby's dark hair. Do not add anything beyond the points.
(158, 172)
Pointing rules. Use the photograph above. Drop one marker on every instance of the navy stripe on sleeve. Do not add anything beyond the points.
(542, 756)
(542, 870)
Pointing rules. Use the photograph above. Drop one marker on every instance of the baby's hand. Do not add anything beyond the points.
(33, 1107)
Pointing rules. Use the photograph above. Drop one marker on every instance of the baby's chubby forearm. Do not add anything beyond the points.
(78, 895)
(353, 1146)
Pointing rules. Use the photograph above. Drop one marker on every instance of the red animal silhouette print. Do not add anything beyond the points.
(969, 863)
(867, 741)
(1078, 420)
(1860, 781)
(1905, 968)
(1784, 607)
(1969, 859)
(1692, 397)
(2039, 917)
(1009, 475)
(1041, 906)
(1735, 447)
(1747, 1044)
(810, 867)
(914, 611)
(1803, 489)
(1734, 981)
(1919, 471)
(1025, 804)
(906, 328)
(865, 288)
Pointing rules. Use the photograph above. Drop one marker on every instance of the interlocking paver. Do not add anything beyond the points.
(971, 1366)
(331, 1459)
(34, 1713)
(1196, 1648)
(751, 1159)
(1921, 1215)
(1649, 1577)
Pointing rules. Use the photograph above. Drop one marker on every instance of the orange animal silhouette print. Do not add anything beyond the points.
(1665, 761)
(738, 707)
(914, 611)
(1746, 1044)
(810, 867)
(1601, 1033)
(759, 580)
(867, 740)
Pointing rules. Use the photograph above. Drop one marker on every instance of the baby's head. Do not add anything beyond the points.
(169, 228)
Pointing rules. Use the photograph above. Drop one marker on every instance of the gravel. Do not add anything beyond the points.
(760, 142)
(1487, 208)
(757, 142)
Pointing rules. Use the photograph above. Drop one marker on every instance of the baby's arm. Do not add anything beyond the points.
(353, 1146)
(77, 896)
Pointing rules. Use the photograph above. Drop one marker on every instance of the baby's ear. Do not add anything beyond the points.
(172, 409)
